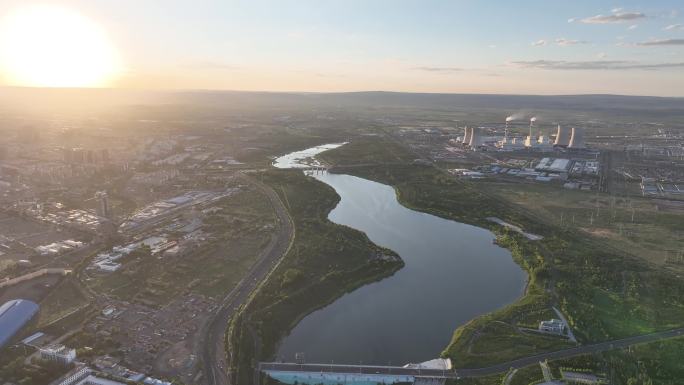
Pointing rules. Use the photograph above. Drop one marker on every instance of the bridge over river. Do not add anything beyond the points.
(290, 373)
(368, 374)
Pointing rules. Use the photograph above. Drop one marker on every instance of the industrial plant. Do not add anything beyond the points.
(490, 139)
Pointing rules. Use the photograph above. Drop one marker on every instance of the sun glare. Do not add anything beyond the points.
(49, 46)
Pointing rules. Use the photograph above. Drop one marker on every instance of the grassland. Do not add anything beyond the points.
(658, 363)
(66, 298)
(604, 292)
(356, 153)
(325, 261)
(633, 225)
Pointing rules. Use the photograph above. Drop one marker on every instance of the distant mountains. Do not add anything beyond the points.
(75, 99)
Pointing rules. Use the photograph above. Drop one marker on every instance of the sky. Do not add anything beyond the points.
(454, 46)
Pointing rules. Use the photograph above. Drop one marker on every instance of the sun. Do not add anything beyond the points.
(50, 46)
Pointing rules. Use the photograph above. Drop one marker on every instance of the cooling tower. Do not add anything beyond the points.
(475, 138)
(562, 137)
(577, 138)
(466, 135)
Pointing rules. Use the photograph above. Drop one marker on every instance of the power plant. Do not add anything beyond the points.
(577, 139)
(476, 139)
(530, 141)
(507, 144)
(562, 137)
(466, 135)
(572, 138)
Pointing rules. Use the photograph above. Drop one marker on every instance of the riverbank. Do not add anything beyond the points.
(325, 262)
(411, 315)
(604, 293)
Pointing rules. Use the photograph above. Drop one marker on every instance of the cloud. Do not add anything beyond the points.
(438, 69)
(567, 42)
(572, 20)
(593, 65)
(633, 27)
(618, 16)
(674, 27)
(539, 43)
(662, 42)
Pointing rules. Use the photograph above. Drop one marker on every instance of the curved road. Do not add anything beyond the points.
(214, 352)
(479, 372)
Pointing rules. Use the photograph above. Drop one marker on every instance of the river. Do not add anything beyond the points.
(453, 273)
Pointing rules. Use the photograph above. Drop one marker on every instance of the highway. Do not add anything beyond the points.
(478, 372)
(214, 352)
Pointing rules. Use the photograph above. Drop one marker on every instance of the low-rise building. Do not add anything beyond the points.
(58, 353)
(77, 374)
(554, 326)
(580, 377)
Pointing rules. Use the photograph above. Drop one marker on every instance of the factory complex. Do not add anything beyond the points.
(571, 138)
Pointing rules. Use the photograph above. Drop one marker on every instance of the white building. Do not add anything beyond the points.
(554, 326)
(80, 372)
(94, 380)
(108, 266)
(58, 353)
(580, 378)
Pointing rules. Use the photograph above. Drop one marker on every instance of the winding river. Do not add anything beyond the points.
(453, 273)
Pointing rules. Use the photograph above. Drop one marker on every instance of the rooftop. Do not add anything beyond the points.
(14, 315)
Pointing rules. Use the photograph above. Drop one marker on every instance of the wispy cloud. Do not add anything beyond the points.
(593, 65)
(662, 42)
(563, 42)
(438, 69)
(617, 16)
(633, 27)
(674, 27)
(567, 42)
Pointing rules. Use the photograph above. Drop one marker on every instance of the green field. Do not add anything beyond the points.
(634, 225)
(66, 298)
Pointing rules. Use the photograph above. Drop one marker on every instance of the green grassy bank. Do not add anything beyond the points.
(325, 261)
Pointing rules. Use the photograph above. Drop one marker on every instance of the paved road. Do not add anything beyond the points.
(214, 353)
(480, 372)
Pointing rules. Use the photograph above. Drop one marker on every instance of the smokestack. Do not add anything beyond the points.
(577, 138)
(562, 137)
(532, 120)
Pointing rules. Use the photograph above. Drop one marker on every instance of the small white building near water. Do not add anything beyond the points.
(554, 326)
